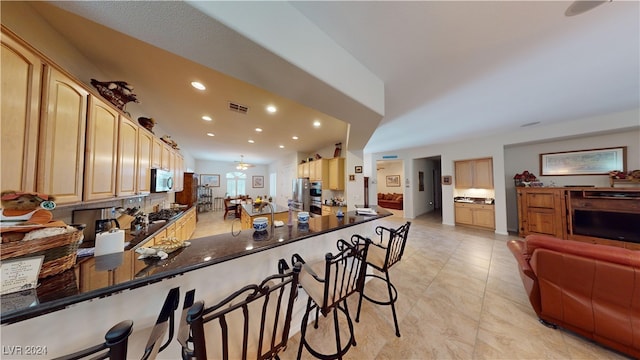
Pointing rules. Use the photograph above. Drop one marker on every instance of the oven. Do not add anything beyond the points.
(315, 191)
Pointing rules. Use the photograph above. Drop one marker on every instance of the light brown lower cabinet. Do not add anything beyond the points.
(476, 215)
(96, 274)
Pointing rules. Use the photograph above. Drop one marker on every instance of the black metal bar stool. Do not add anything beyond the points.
(328, 284)
(164, 323)
(114, 347)
(385, 252)
(251, 323)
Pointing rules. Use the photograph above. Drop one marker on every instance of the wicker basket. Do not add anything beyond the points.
(59, 251)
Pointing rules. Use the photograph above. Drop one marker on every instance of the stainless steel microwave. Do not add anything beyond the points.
(161, 180)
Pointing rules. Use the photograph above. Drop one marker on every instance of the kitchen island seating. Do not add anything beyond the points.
(385, 251)
(251, 323)
(328, 284)
(114, 347)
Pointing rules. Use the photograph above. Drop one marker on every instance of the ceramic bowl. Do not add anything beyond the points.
(260, 223)
(303, 217)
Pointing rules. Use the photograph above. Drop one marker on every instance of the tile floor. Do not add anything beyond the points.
(460, 297)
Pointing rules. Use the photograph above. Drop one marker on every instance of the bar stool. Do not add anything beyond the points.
(328, 284)
(116, 339)
(386, 251)
(114, 347)
(251, 323)
(164, 322)
(184, 335)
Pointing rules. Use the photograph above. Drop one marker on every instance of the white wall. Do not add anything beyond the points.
(526, 157)
(582, 131)
(222, 168)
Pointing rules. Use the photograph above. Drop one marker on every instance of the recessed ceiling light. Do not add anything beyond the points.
(251, 141)
(207, 118)
(294, 137)
(281, 146)
(258, 130)
(316, 123)
(211, 134)
(198, 85)
(271, 109)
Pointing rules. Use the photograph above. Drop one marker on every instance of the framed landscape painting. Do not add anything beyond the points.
(212, 180)
(584, 162)
(393, 180)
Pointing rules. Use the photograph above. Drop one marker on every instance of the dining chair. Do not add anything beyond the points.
(114, 347)
(251, 323)
(329, 283)
(385, 251)
(229, 208)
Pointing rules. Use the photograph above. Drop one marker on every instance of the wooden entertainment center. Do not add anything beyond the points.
(608, 216)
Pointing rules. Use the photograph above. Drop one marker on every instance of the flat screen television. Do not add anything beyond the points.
(607, 225)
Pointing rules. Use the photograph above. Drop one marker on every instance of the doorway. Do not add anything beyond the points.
(390, 177)
(428, 195)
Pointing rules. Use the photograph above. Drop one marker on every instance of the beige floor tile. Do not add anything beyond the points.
(459, 297)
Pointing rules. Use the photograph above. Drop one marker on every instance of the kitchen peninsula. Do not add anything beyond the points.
(213, 259)
(251, 211)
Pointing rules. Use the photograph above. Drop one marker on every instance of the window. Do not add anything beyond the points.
(236, 183)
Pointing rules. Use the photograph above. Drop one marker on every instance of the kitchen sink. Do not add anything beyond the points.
(468, 201)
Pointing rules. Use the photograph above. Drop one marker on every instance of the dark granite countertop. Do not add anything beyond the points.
(266, 210)
(468, 200)
(59, 291)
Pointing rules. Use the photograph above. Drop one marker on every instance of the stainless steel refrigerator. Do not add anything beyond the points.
(301, 196)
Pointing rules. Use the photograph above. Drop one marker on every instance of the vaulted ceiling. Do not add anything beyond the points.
(450, 70)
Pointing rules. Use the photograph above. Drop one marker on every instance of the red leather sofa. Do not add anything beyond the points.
(391, 201)
(592, 290)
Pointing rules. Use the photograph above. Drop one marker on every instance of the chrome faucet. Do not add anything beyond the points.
(272, 215)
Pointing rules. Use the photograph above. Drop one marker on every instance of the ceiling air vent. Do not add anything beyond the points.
(238, 108)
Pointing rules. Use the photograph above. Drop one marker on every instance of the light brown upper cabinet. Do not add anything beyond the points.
(21, 74)
(156, 153)
(304, 170)
(319, 171)
(102, 151)
(62, 138)
(178, 173)
(127, 157)
(166, 157)
(336, 174)
(475, 173)
(145, 144)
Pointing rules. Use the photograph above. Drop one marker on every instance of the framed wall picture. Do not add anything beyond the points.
(446, 180)
(358, 169)
(393, 180)
(584, 162)
(420, 180)
(212, 180)
(257, 181)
